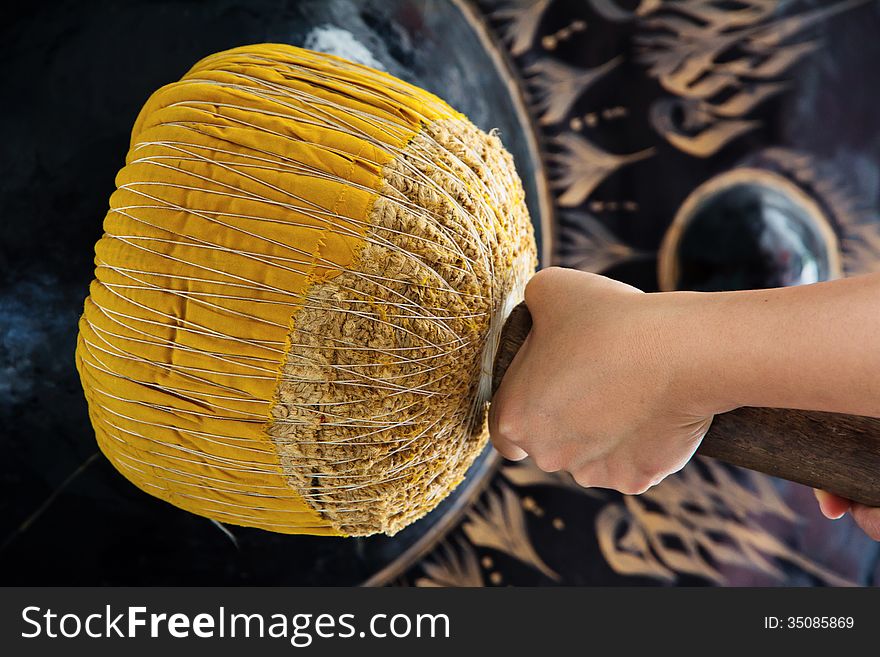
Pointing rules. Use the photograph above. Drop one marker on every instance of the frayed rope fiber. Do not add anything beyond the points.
(304, 271)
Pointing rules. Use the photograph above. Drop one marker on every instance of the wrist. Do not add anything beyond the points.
(692, 326)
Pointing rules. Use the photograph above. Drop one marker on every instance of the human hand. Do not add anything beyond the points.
(599, 388)
(833, 507)
(619, 387)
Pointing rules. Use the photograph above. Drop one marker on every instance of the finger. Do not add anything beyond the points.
(503, 446)
(593, 474)
(832, 506)
(500, 431)
(493, 419)
(868, 518)
(509, 451)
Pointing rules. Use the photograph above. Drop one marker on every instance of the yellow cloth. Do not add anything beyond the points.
(246, 182)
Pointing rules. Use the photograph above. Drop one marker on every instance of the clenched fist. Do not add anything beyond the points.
(596, 389)
(618, 387)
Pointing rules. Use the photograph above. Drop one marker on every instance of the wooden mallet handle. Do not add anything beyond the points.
(832, 451)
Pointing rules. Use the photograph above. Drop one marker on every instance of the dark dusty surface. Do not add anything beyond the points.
(74, 77)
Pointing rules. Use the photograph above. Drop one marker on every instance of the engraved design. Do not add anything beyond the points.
(720, 64)
(584, 243)
(625, 546)
(716, 63)
(498, 522)
(612, 11)
(704, 522)
(696, 522)
(451, 566)
(556, 86)
(519, 20)
(581, 166)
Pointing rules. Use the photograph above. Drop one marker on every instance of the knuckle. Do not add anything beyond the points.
(654, 471)
(638, 483)
(540, 283)
(510, 452)
(650, 466)
(506, 426)
(545, 275)
(547, 463)
(583, 477)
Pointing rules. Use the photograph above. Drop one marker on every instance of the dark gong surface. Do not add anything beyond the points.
(747, 236)
(74, 76)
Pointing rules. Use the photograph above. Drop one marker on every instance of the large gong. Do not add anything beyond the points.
(79, 72)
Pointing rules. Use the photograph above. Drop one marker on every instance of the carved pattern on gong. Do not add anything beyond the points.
(715, 65)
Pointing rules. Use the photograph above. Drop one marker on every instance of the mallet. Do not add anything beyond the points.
(300, 293)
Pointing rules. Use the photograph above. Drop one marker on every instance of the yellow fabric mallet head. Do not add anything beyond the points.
(298, 294)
